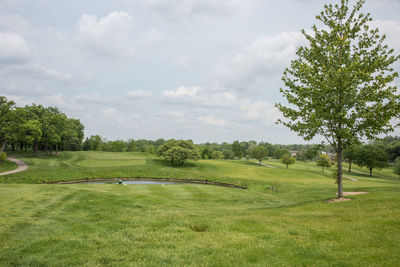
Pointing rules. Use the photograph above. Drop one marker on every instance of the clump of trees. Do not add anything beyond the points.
(324, 161)
(287, 160)
(3, 157)
(38, 128)
(178, 151)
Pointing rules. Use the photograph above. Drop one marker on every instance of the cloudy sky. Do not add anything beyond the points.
(195, 69)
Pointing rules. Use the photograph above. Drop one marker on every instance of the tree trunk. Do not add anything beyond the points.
(349, 165)
(287, 166)
(323, 169)
(13, 148)
(57, 148)
(370, 171)
(4, 146)
(36, 149)
(339, 170)
(47, 149)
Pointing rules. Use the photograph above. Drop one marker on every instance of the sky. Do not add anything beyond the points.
(204, 70)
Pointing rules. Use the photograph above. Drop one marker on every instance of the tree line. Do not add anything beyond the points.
(36, 127)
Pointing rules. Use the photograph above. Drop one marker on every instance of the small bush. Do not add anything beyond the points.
(3, 156)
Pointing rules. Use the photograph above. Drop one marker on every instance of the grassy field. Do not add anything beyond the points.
(89, 224)
(7, 166)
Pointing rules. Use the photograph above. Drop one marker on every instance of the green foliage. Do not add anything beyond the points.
(217, 155)
(350, 154)
(259, 153)
(324, 161)
(131, 145)
(372, 157)
(312, 152)
(178, 151)
(396, 168)
(278, 153)
(3, 156)
(228, 154)
(287, 160)
(237, 149)
(341, 84)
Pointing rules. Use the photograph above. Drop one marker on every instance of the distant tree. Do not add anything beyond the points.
(259, 152)
(181, 151)
(341, 84)
(228, 154)
(166, 146)
(237, 149)
(269, 147)
(95, 141)
(393, 149)
(278, 153)
(86, 145)
(350, 154)
(205, 153)
(6, 108)
(245, 148)
(372, 157)
(217, 155)
(301, 155)
(312, 152)
(119, 146)
(397, 167)
(149, 148)
(131, 145)
(3, 157)
(287, 160)
(324, 161)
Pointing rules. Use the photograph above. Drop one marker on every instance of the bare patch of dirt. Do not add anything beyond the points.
(353, 193)
(338, 200)
(346, 194)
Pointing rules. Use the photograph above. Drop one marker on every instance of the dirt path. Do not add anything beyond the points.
(347, 177)
(265, 165)
(22, 166)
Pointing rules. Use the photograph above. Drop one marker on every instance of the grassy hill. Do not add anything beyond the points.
(191, 224)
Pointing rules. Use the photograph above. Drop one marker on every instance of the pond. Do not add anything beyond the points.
(130, 182)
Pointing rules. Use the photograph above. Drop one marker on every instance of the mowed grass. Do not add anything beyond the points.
(7, 165)
(191, 224)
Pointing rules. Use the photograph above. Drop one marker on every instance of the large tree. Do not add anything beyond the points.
(341, 84)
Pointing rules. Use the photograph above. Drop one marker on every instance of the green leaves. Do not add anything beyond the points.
(340, 86)
(178, 151)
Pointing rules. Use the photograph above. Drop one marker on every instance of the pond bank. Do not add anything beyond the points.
(189, 181)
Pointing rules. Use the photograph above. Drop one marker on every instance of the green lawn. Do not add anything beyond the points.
(7, 166)
(191, 224)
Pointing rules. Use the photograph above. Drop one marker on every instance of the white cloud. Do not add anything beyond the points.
(260, 111)
(176, 9)
(92, 98)
(211, 120)
(60, 101)
(14, 88)
(152, 37)
(37, 71)
(110, 35)
(182, 91)
(109, 111)
(175, 113)
(139, 94)
(13, 48)
(264, 57)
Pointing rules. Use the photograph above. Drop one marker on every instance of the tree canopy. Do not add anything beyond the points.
(341, 84)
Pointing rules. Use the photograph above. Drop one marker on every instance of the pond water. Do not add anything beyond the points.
(132, 182)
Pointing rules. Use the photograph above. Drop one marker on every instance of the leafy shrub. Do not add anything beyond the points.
(3, 156)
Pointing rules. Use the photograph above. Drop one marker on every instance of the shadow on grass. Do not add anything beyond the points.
(166, 163)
